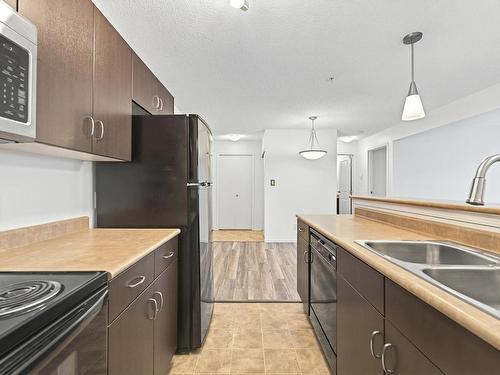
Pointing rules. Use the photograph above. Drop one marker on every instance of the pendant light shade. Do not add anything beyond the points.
(314, 152)
(413, 108)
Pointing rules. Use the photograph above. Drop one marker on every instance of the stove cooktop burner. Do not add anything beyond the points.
(20, 298)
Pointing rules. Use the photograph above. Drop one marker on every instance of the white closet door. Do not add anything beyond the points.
(235, 191)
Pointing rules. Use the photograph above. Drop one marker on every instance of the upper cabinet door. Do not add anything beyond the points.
(166, 100)
(112, 91)
(145, 84)
(64, 77)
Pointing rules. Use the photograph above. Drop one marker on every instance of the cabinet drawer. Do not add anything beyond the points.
(450, 346)
(303, 230)
(165, 255)
(368, 282)
(129, 284)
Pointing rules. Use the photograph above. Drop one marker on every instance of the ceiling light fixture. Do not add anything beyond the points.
(413, 108)
(239, 4)
(347, 138)
(313, 153)
(234, 137)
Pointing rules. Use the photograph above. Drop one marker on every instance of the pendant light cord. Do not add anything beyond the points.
(313, 137)
(412, 64)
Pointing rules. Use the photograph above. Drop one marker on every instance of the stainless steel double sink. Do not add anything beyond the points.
(470, 274)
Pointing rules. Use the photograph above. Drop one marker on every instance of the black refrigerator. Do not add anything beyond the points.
(168, 184)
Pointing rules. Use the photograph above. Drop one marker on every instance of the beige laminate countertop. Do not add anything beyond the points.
(344, 230)
(111, 250)
(447, 205)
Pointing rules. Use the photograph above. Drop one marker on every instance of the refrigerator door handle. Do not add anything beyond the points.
(198, 184)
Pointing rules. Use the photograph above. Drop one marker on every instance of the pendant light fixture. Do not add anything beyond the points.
(315, 151)
(413, 109)
(239, 4)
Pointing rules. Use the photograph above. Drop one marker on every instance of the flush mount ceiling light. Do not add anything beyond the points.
(239, 4)
(234, 137)
(413, 109)
(347, 138)
(315, 151)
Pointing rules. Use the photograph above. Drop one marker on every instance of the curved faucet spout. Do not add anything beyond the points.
(476, 194)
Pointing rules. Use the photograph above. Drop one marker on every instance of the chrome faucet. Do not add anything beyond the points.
(476, 194)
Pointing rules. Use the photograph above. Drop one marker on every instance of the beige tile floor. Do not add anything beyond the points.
(256, 338)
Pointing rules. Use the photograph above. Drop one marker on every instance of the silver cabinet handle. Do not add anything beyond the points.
(161, 104)
(155, 306)
(161, 299)
(305, 256)
(140, 280)
(169, 255)
(90, 133)
(100, 138)
(372, 345)
(301, 229)
(384, 352)
(156, 102)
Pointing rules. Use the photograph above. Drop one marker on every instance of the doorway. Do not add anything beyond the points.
(377, 171)
(344, 183)
(235, 191)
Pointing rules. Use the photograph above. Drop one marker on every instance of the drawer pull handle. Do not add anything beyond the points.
(372, 345)
(384, 366)
(161, 300)
(140, 280)
(155, 306)
(169, 255)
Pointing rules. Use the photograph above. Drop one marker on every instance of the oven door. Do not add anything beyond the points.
(324, 288)
(75, 344)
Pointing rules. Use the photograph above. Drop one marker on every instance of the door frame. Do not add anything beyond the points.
(252, 156)
(369, 155)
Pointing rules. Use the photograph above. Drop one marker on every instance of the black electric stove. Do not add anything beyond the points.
(31, 302)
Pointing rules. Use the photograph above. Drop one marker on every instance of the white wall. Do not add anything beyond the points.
(253, 148)
(36, 189)
(467, 107)
(302, 186)
(440, 163)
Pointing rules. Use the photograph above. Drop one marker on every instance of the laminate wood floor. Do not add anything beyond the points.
(255, 271)
(238, 235)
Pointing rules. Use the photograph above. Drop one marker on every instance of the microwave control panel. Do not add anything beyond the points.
(14, 71)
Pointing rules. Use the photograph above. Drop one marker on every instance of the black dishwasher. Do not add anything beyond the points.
(324, 294)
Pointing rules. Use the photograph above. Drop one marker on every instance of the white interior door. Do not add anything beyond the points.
(377, 160)
(235, 191)
(344, 181)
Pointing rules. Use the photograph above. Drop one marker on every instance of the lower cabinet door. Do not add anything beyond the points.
(165, 324)
(358, 325)
(402, 357)
(303, 270)
(130, 338)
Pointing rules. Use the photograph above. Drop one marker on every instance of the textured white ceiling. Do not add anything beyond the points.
(269, 67)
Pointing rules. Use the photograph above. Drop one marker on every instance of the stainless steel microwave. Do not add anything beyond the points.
(18, 49)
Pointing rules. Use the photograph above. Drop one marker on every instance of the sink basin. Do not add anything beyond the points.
(482, 285)
(430, 253)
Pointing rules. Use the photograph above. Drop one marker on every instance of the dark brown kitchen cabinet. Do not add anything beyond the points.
(143, 315)
(165, 324)
(112, 91)
(303, 265)
(166, 100)
(130, 338)
(65, 70)
(360, 329)
(451, 347)
(145, 86)
(402, 357)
